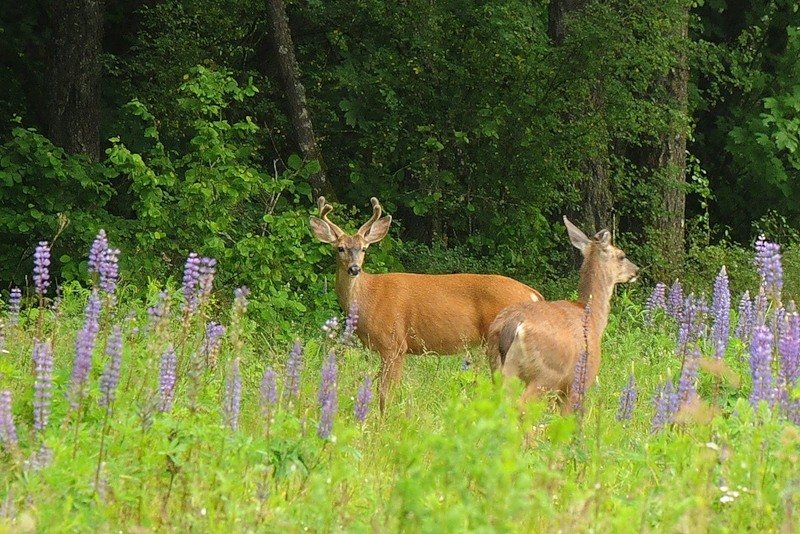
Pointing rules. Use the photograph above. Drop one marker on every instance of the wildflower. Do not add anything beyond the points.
(167, 379)
(39, 459)
(233, 396)
(761, 365)
(721, 310)
(84, 347)
(191, 277)
(240, 295)
(109, 270)
(578, 390)
(43, 384)
(350, 324)
(744, 327)
(687, 389)
(691, 323)
(789, 348)
(8, 432)
(294, 367)
(363, 398)
(268, 392)
(768, 261)
(14, 305)
(656, 301)
(627, 400)
(760, 308)
(41, 268)
(212, 343)
(97, 252)
(327, 397)
(206, 269)
(110, 377)
(331, 327)
(675, 300)
(666, 405)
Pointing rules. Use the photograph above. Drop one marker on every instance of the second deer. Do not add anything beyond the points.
(402, 313)
(540, 342)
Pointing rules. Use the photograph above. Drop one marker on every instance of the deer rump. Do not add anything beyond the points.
(438, 313)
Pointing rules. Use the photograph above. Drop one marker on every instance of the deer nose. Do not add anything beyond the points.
(354, 270)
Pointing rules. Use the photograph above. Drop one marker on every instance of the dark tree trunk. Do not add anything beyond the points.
(289, 73)
(666, 160)
(595, 210)
(74, 77)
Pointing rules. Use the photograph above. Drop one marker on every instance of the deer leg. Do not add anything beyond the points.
(391, 370)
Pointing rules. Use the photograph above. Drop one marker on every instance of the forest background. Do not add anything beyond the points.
(212, 125)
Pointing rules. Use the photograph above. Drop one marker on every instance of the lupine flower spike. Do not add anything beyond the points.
(43, 384)
(167, 379)
(721, 311)
(666, 405)
(84, 347)
(328, 399)
(268, 393)
(579, 385)
(14, 305)
(350, 325)
(110, 377)
(8, 432)
(656, 301)
(97, 252)
(363, 398)
(675, 300)
(761, 365)
(41, 268)
(294, 368)
(744, 326)
(233, 396)
(768, 261)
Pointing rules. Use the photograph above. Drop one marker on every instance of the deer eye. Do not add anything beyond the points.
(341, 249)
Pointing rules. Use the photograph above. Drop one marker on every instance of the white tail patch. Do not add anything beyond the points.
(516, 352)
(534, 297)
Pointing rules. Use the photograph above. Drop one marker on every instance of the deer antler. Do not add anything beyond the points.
(324, 210)
(376, 214)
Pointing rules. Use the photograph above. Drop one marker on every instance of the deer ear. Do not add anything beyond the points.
(322, 230)
(576, 236)
(378, 230)
(603, 237)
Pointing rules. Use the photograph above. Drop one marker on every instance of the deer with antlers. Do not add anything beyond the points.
(401, 313)
(540, 342)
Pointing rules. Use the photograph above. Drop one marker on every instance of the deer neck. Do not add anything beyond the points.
(596, 288)
(348, 287)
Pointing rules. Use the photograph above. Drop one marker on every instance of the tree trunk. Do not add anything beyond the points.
(74, 77)
(595, 210)
(289, 74)
(667, 160)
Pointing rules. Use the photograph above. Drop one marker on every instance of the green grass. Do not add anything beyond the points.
(454, 453)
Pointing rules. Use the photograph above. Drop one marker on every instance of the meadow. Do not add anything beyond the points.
(178, 414)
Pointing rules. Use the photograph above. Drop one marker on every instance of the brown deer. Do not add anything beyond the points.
(540, 342)
(401, 313)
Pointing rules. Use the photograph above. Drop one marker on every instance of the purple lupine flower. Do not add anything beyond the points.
(43, 384)
(14, 305)
(97, 252)
(675, 300)
(760, 308)
(627, 400)
(109, 270)
(240, 295)
(692, 322)
(191, 277)
(721, 310)
(656, 301)
(666, 405)
(327, 397)
(8, 432)
(212, 343)
(761, 365)
(744, 326)
(205, 283)
(167, 379)
(41, 268)
(294, 368)
(687, 383)
(363, 398)
(331, 327)
(233, 396)
(768, 261)
(158, 312)
(268, 393)
(84, 347)
(350, 325)
(39, 459)
(789, 348)
(580, 376)
(110, 377)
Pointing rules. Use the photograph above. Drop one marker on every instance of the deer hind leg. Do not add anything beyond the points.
(391, 370)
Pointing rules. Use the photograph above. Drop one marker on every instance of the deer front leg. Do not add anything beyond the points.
(391, 370)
